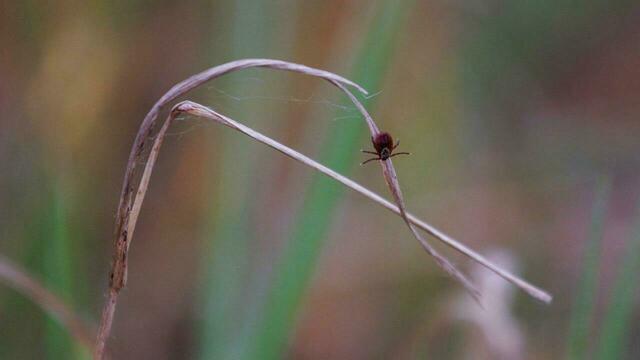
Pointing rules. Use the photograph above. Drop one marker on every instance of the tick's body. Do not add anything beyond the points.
(383, 143)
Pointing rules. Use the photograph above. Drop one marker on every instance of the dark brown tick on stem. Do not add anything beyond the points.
(383, 143)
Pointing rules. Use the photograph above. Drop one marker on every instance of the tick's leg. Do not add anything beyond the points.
(400, 153)
(397, 144)
(369, 152)
(377, 158)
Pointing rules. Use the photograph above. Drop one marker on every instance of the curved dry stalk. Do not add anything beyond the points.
(17, 278)
(391, 178)
(195, 109)
(130, 203)
(126, 213)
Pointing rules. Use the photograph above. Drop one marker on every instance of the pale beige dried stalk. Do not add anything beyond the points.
(130, 205)
(391, 178)
(203, 111)
(17, 278)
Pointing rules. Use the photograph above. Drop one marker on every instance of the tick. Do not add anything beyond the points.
(383, 144)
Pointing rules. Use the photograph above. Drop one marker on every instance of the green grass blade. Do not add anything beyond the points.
(293, 272)
(614, 338)
(57, 272)
(583, 309)
(227, 267)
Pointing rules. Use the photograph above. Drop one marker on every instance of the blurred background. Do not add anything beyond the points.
(523, 122)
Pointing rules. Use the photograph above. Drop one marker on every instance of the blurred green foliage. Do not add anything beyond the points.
(583, 310)
(616, 332)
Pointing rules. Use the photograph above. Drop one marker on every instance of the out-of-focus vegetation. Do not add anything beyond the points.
(512, 110)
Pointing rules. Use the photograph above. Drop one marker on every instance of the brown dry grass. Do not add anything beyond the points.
(131, 202)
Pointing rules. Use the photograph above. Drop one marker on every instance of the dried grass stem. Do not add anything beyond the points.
(130, 203)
